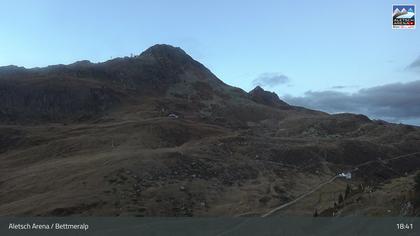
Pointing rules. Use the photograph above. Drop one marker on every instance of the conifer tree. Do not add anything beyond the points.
(340, 198)
(347, 193)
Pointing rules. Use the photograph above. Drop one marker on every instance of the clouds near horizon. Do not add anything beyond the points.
(395, 102)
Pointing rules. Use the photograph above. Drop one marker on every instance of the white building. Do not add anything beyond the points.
(346, 175)
(173, 116)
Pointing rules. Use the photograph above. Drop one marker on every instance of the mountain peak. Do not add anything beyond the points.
(259, 95)
(257, 89)
(165, 50)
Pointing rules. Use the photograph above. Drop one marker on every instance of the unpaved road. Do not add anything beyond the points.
(299, 198)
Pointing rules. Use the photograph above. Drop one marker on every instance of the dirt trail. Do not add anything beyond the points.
(385, 160)
(299, 198)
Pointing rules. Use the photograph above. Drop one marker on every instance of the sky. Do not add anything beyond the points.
(305, 51)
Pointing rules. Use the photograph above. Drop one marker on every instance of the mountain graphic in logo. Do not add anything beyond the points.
(401, 12)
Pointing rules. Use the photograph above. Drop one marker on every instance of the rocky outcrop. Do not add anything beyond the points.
(53, 100)
(259, 95)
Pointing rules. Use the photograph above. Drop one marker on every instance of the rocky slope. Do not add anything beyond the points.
(159, 135)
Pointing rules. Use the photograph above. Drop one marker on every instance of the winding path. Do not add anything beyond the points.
(300, 197)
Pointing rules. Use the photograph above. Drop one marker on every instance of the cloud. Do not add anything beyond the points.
(415, 64)
(344, 86)
(270, 80)
(339, 87)
(397, 102)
